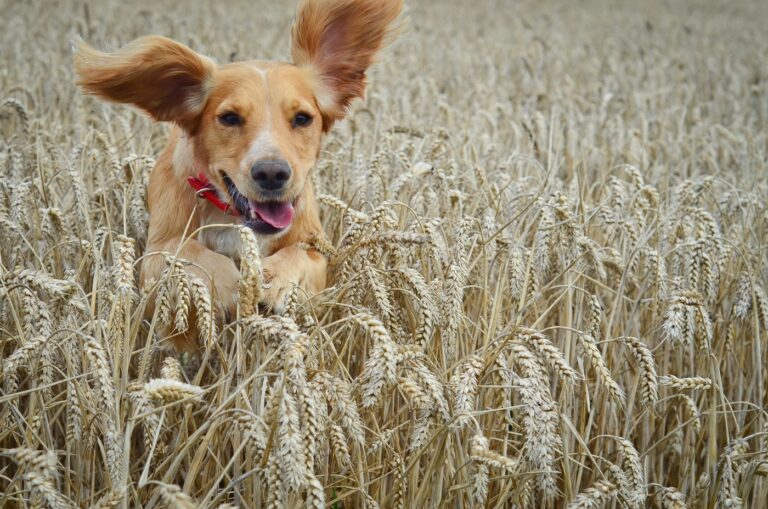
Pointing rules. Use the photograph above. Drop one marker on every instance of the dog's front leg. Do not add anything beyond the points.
(292, 266)
(217, 271)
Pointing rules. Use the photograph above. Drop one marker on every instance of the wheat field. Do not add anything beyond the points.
(548, 236)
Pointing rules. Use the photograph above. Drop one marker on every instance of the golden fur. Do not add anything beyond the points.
(333, 43)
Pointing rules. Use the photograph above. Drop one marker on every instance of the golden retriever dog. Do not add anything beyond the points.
(244, 139)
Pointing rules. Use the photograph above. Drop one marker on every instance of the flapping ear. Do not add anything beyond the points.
(161, 76)
(338, 40)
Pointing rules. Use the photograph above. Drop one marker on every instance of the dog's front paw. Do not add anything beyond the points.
(226, 283)
(277, 287)
(223, 280)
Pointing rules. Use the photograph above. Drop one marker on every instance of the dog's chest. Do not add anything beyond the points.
(217, 235)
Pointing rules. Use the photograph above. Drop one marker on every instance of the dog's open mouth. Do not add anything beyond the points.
(263, 217)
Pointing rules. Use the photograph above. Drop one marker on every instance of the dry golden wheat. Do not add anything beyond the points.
(548, 273)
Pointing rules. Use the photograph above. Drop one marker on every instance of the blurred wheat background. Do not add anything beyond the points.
(548, 234)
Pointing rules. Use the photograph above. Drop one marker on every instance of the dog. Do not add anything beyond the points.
(244, 140)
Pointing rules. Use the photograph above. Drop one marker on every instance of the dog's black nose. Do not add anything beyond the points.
(270, 174)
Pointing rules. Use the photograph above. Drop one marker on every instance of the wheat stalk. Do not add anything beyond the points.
(596, 496)
(250, 270)
(649, 383)
(672, 499)
(690, 383)
(291, 454)
(176, 498)
(381, 366)
(549, 353)
(465, 389)
(481, 453)
(39, 471)
(170, 391)
(595, 358)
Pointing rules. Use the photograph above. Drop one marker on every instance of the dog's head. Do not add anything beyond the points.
(253, 128)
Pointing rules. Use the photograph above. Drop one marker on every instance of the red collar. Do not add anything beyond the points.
(204, 189)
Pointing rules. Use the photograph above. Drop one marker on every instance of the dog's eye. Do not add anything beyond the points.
(230, 119)
(301, 120)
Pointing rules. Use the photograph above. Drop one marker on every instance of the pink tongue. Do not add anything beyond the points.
(278, 215)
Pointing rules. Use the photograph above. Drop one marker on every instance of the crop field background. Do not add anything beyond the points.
(548, 236)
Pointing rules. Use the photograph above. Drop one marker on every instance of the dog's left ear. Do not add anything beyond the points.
(338, 40)
(158, 75)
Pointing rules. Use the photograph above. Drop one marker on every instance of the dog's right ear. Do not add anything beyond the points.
(338, 40)
(161, 76)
